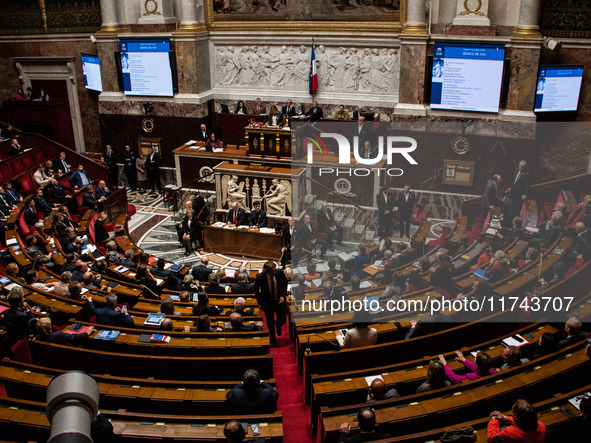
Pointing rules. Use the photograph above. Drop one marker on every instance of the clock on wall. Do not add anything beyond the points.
(460, 145)
(148, 124)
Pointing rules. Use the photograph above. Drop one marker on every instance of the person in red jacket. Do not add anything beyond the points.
(522, 427)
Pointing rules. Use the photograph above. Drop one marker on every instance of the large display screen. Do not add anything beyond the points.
(467, 77)
(558, 88)
(146, 68)
(92, 72)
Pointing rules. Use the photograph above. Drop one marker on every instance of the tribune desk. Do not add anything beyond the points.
(250, 242)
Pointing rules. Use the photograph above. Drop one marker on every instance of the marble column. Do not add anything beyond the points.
(189, 21)
(525, 59)
(110, 22)
(529, 18)
(413, 60)
(416, 22)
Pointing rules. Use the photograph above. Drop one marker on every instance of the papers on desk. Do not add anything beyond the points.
(5, 280)
(121, 269)
(107, 335)
(532, 229)
(321, 267)
(370, 378)
(175, 297)
(346, 256)
(576, 401)
(230, 273)
(514, 340)
(317, 282)
(88, 249)
(218, 225)
(132, 274)
(365, 284)
(300, 270)
(12, 285)
(12, 241)
(191, 142)
(267, 231)
(168, 265)
(159, 281)
(376, 265)
(218, 150)
(491, 231)
(83, 291)
(154, 319)
(228, 226)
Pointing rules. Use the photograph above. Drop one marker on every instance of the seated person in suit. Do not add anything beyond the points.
(15, 147)
(214, 286)
(360, 335)
(70, 241)
(172, 282)
(512, 357)
(204, 307)
(212, 143)
(243, 286)
(113, 315)
(507, 235)
(30, 213)
(361, 260)
(16, 319)
(59, 192)
(523, 426)
(61, 164)
(236, 324)
(275, 118)
(498, 267)
(101, 235)
(203, 324)
(574, 333)
(258, 217)
(508, 209)
(550, 230)
(46, 333)
(201, 272)
(252, 396)
(366, 419)
(35, 252)
(79, 178)
(239, 305)
(235, 433)
(289, 109)
(315, 113)
(342, 114)
(91, 201)
(379, 391)
(11, 194)
(236, 215)
(128, 259)
(41, 203)
(435, 378)
(482, 367)
(102, 190)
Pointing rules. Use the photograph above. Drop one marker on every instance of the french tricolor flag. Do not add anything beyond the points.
(313, 73)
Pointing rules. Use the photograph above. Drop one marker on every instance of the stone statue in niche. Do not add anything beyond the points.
(340, 69)
(233, 192)
(278, 199)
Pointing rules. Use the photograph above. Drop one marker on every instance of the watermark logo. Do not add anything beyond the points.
(389, 145)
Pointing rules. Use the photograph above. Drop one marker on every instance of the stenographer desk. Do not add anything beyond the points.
(237, 242)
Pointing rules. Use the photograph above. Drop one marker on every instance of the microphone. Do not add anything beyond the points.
(308, 352)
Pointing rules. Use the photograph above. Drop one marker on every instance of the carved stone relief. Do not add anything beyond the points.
(371, 70)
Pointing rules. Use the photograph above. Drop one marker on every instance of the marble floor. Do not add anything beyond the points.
(153, 228)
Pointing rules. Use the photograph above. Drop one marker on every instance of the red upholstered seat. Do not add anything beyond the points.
(417, 216)
(91, 234)
(26, 184)
(131, 210)
(27, 160)
(23, 226)
(6, 170)
(37, 156)
(21, 352)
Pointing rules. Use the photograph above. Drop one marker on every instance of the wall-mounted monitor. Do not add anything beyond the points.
(467, 76)
(558, 88)
(146, 67)
(92, 72)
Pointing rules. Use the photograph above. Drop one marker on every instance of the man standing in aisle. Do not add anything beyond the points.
(270, 289)
(406, 203)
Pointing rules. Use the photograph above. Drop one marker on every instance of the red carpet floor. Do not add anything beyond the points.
(290, 385)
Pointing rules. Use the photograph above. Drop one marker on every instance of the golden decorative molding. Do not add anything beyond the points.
(191, 28)
(43, 15)
(520, 32)
(415, 30)
(108, 29)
